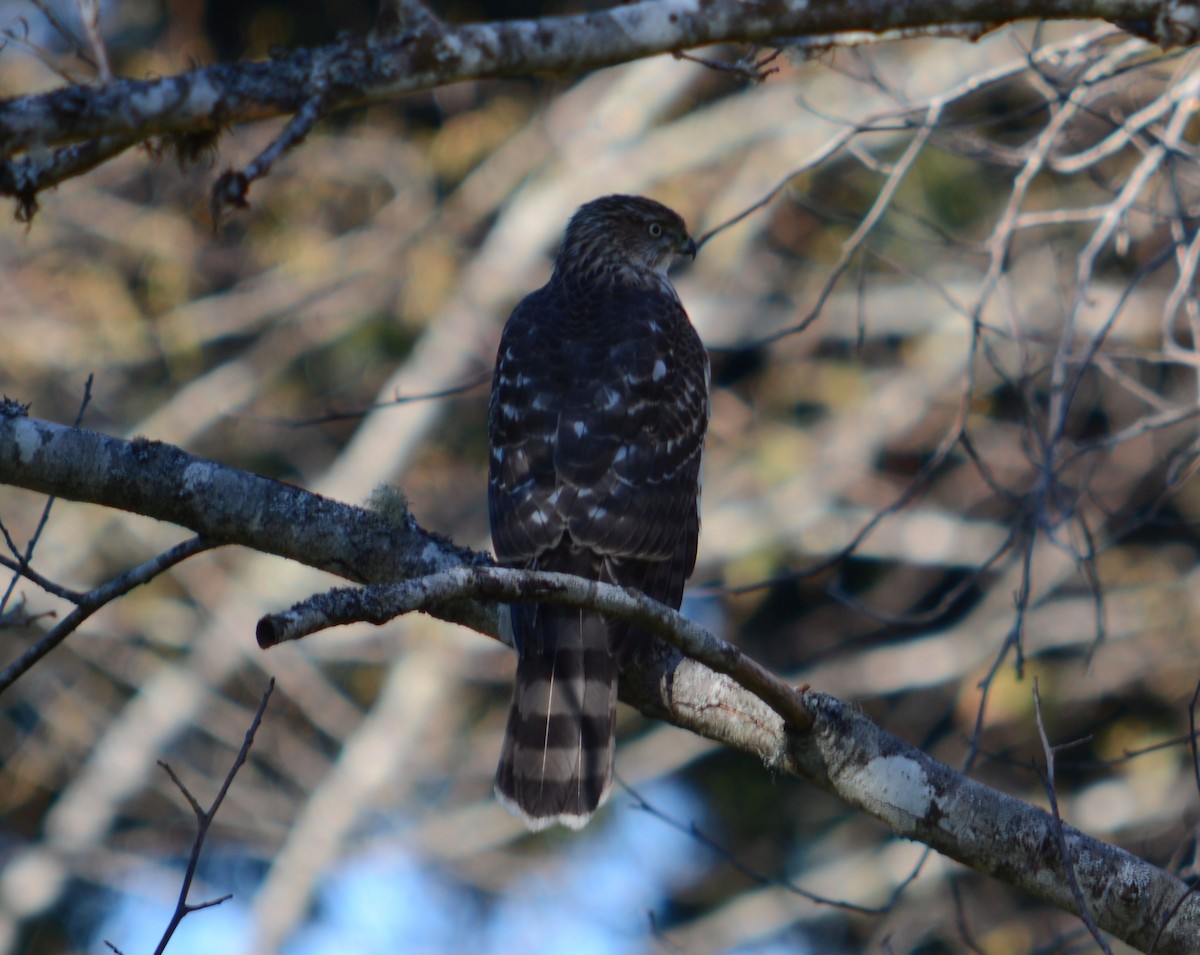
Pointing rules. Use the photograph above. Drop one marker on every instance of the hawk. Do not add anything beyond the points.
(596, 424)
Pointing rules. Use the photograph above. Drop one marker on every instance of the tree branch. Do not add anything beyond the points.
(410, 51)
(228, 506)
(843, 752)
(88, 603)
(1060, 833)
(380, 604)
(204, 820)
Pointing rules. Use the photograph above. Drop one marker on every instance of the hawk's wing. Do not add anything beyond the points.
(597, 424)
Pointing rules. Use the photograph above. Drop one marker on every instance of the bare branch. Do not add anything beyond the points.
(395, 62)
(96, 598)
(25, 177)
(382, 603)
(231, 188)
(1039, 503)
(843, 752)
(696, 832)
(16, 408)
(228, 506)
(204, 820)
(89, 12)
(1059, 834)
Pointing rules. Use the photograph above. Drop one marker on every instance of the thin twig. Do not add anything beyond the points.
(693, 830)
(96, 598)
(1059, 833)
(24, 559)
(204, 820)
(89, 12)
(450, 392)
(1013, 640)
(748, 67)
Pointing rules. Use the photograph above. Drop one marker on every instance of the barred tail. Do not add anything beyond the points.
(556, 764)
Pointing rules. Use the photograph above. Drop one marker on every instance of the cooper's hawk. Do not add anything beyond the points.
(597, 418)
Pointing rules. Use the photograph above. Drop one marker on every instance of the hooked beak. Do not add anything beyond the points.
(689, 249)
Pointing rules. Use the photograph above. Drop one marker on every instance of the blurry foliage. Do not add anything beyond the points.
(370, 235)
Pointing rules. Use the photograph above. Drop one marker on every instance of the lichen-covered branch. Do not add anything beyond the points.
(228, 506)
(409, 53)
(380, 604)
(842, 752)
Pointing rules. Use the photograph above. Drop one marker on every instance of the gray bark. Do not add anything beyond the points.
(842, 751)
(51, 136)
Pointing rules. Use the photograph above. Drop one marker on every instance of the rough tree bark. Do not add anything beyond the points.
(47, 138)
(842, 751)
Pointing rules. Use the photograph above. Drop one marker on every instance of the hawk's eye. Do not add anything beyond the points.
(655, 230)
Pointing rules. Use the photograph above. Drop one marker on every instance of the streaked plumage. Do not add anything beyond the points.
(596, 424)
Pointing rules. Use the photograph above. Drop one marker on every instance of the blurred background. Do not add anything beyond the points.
(953, 434)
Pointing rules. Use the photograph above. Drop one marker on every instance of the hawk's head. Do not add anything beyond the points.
(623, 238)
